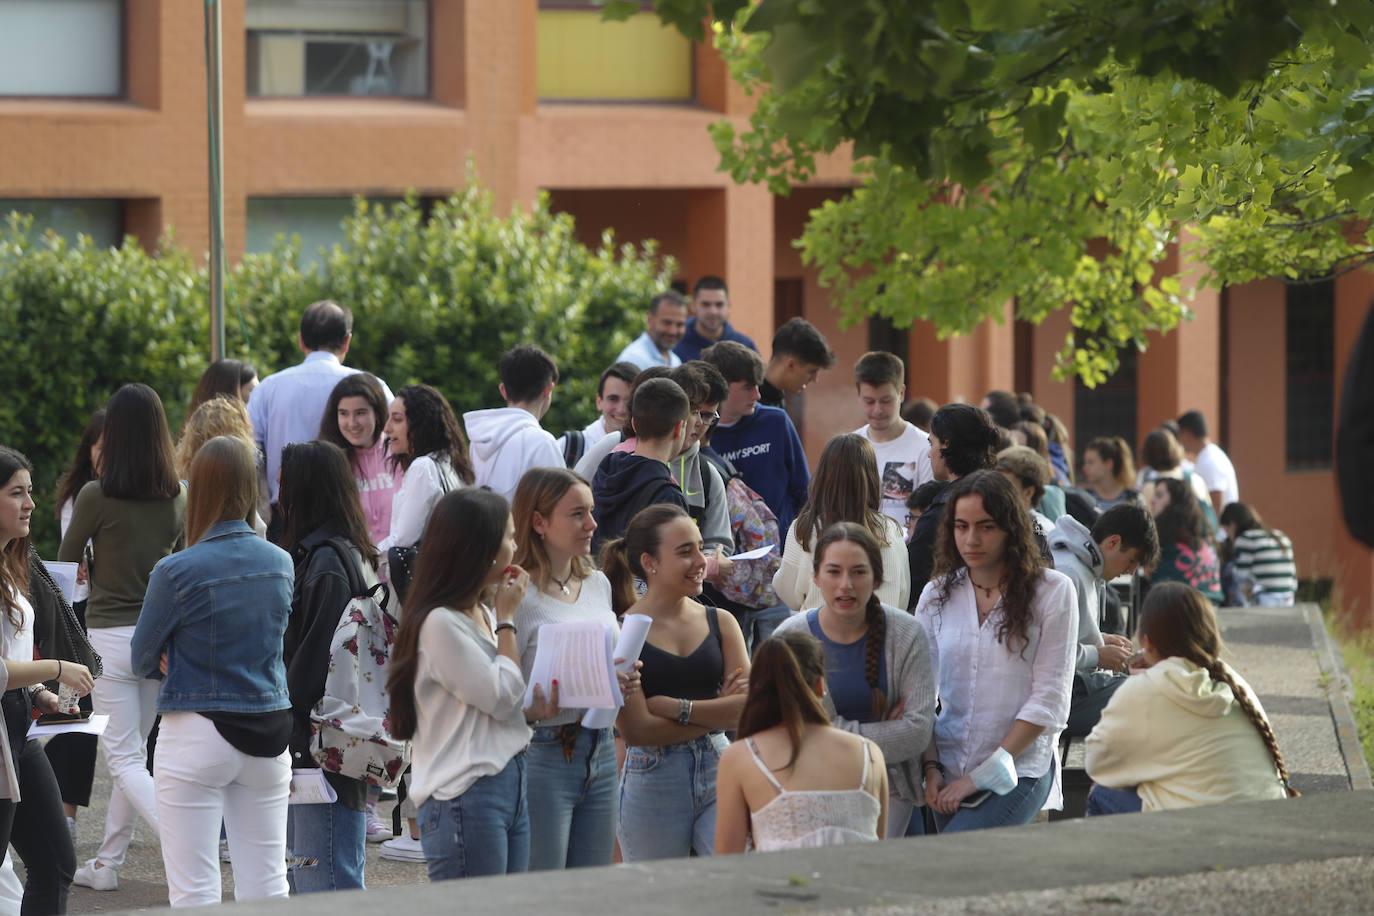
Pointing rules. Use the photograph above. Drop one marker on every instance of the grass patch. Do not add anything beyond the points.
(1357, 650)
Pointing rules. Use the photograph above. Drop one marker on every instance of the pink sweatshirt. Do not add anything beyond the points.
(378, 481)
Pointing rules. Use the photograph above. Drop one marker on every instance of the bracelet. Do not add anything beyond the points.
(934, 764)
(59, 669)
(684, 712)
(505, 625)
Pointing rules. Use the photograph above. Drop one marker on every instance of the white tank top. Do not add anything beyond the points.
(801, 819)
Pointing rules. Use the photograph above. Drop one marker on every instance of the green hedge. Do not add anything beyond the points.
(436, 297)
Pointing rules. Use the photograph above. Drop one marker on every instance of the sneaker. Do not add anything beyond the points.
(404, 848)
(378, 830)
(96, 878)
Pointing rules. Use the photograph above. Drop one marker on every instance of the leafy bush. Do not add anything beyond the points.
(436, 297)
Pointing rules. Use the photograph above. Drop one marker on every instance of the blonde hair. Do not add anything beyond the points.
(219, 416)
(540, 490)
(223, 485)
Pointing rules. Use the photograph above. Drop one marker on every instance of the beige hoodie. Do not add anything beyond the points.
(1182, 740)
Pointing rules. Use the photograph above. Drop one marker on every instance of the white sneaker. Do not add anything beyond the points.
(96, 878)
(378, 830)
(404, 848)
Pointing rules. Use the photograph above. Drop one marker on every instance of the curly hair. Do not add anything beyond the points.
(1181, 522)
(219, 416)
(434, 428)
(968, 438)
(1021, 562)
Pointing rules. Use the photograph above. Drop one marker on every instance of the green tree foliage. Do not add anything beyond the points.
(436, 297)
(1052, 151)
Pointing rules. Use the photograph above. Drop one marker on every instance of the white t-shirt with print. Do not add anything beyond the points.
(903, 465)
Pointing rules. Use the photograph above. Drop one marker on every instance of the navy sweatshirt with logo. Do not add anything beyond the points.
(765, 448)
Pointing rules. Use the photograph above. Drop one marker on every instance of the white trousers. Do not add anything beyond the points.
(131, 704)
(201, 780)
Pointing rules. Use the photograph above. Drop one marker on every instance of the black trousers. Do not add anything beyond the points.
(36, 826)
(73, 756)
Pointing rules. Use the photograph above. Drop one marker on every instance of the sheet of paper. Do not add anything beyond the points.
(309, 787)
(574, 654)
(634, 629)
(93, 725)
(756, 554)
(64, 574)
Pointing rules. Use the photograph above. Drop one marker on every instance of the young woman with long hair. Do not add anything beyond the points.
(878, 674)
(212, 624)
(1002, 632)
(1261, 558)
(1108, 471)
(35, 825)
(224, 378)
(1186, 553)
(836, 783)
(1188, 730)
(963, 439)
(427, 443)
(327, 536)
(573, 778)
(694, 680)
(133, 515)
(845, 488)
(457, 692)
(353, 420)
(73, 756)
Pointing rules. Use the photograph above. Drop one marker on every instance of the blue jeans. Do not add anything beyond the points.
(572, 802)
(668, 800)
(1019, 806)
(1102, 800)
(484, 831)
(335, 836)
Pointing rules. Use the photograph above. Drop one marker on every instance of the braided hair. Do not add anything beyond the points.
(874, 617)
(1180, 622)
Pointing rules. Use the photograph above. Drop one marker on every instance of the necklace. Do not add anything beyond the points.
(563, 584)
(987, 590)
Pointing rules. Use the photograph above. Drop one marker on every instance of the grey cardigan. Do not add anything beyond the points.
(910, 681)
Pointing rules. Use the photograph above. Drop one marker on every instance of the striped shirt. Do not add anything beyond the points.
(1268, 556)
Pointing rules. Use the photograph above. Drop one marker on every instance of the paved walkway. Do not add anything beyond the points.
(1261, 859)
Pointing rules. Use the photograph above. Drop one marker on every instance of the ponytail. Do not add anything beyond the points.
(615, 563)
(784, 669)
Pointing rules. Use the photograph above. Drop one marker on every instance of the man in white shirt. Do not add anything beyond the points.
(664, 325)
(1211, 463)
(289, 405)
(901, 448)
(613, 400)
(508, 441)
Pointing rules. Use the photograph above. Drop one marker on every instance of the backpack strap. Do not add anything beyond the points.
(357, 586)
(574, 447)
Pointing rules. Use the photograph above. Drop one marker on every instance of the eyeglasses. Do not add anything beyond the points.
(709, 417)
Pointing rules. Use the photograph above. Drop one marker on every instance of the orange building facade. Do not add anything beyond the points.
(542, 97)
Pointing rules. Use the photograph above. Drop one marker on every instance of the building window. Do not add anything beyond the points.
(1110, 408)
(583, 58)
(317, 220)
(102, 220)
(61, 48)
(338, 47)
(1310, 316)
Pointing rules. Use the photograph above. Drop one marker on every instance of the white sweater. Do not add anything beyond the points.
(1181, 739)
(795, 580)
(470, 720)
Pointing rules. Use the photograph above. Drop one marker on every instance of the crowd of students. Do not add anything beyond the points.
(934, 614)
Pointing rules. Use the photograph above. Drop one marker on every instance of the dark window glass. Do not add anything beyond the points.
(1310, 404)
(1108, 409)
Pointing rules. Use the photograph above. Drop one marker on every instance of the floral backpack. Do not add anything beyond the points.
(349, 726)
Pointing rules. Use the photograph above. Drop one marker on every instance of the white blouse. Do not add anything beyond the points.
(19, 640)
(422, 487)
(985, 686)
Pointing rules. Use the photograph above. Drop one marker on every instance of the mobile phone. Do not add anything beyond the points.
(976, 799)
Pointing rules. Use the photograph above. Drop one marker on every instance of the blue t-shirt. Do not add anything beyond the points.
(844, 672)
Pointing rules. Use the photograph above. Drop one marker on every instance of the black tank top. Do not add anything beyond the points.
(697, 676)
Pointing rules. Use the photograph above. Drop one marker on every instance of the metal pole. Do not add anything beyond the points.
(215, 100)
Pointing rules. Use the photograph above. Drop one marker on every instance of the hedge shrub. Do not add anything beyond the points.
(436, 297)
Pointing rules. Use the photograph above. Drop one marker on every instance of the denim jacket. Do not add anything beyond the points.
(219, 609)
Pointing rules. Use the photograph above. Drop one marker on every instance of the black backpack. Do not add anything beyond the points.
(574, 447)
